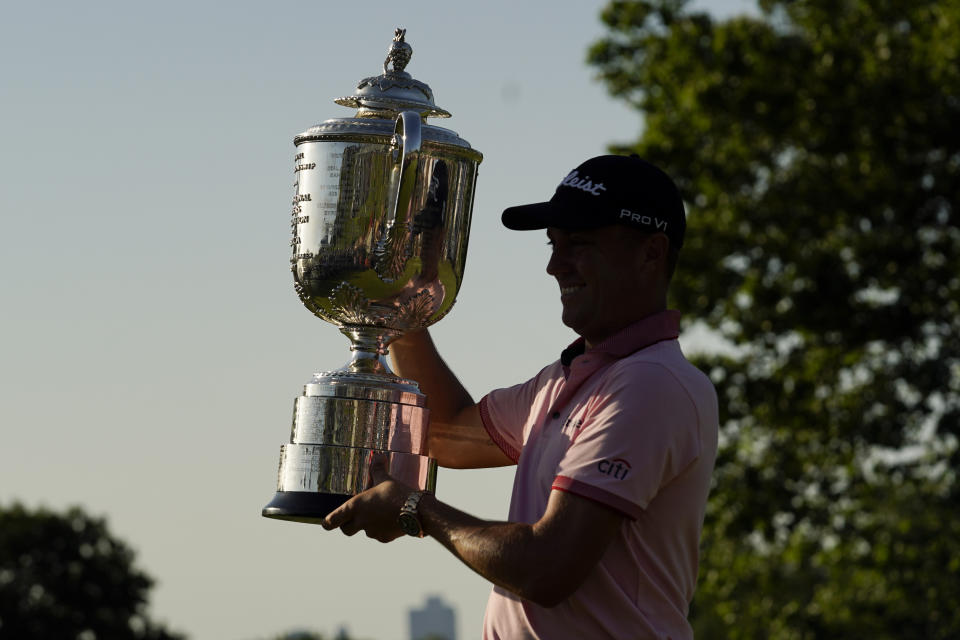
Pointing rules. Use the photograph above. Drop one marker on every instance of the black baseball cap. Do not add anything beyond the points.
(608, 190)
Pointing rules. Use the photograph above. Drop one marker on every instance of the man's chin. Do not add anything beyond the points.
(570, 321)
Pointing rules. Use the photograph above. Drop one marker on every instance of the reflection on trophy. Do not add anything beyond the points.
(381, 218)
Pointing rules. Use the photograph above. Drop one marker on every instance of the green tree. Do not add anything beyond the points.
(65, 576)
(818, 147)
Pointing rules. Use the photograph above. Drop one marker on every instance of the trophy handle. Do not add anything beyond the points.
(368, 344)
(407, 131)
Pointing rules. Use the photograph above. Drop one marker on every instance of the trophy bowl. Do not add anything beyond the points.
(381, 219)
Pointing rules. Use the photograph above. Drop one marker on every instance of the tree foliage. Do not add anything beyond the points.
(65, 576)
(818, 147)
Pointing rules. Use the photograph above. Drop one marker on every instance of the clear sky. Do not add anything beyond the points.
(152, 343)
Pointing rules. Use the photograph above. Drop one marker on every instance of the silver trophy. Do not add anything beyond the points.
(381, 217)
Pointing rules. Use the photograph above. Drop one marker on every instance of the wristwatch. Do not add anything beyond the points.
(408, 519)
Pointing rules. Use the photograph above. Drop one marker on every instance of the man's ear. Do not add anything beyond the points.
(655, 249)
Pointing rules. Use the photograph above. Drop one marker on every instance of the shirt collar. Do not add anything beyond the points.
(664, 325)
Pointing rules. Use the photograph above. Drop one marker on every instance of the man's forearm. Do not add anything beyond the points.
(457, 437)
(415, 356)
(511, 555)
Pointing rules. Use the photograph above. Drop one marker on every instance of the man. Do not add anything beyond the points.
(615, 442)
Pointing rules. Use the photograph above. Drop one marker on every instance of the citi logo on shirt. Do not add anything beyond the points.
(618, 468)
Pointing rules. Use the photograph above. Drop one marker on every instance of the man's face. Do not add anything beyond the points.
(605, 279)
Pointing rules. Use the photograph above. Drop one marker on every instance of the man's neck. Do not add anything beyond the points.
(594, 340)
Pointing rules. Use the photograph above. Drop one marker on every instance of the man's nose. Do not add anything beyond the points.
(557, 263)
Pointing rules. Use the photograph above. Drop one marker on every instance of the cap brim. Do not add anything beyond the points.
(541, 215)
(527, 217)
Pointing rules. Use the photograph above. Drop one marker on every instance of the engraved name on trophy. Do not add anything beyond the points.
(381, 218)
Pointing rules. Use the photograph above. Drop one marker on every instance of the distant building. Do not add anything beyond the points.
(435, 621)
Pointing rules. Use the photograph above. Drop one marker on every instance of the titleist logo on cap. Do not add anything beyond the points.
(574, 180)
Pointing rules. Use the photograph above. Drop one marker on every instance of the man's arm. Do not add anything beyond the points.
(543, 562)
(457, 437)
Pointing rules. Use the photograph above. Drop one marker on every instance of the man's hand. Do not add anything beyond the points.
(374, 511)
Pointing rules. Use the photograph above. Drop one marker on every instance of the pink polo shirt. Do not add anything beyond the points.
(632, 425)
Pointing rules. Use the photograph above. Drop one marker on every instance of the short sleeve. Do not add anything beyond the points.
(639, 432)
(508, 413)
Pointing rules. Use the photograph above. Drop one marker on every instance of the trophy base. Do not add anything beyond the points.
(303, 506)
(342, 424)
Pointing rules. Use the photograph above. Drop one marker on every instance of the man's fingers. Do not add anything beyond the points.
(337, 517)
(373, 511)
(349, 528)
(341, 518)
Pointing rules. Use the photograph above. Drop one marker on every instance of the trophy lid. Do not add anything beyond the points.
(386, 95)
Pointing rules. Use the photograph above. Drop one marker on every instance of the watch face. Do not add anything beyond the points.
(409, 524)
